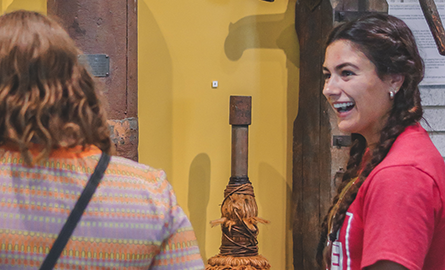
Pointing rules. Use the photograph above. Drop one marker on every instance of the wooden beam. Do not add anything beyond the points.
(311, 172)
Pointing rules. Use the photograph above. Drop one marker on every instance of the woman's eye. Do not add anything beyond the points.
(347, 73)
(326, 76)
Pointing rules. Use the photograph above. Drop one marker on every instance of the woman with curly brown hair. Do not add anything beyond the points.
(389, 209)
(53, 136)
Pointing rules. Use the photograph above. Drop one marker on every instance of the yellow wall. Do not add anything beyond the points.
(250, 48)
(36, 5)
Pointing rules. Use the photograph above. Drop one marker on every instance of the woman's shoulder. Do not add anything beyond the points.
(414, 147)
(120, 166)
(414, 151)
(79, 161)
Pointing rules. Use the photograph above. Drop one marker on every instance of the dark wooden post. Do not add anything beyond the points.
(240, 119)
(109, 27)
(239, 211)
(312, 135)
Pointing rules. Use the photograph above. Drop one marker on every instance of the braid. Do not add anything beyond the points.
(392, 49)
(355, 157)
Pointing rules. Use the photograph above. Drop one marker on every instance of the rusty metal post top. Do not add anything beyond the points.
(240, 110)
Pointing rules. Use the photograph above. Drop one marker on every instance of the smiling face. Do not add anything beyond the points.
(355, 91)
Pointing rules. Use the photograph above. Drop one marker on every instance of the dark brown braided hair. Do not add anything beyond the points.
(47, 98)
(390, 45)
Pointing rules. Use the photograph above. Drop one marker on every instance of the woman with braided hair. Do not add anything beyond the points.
(389, 209)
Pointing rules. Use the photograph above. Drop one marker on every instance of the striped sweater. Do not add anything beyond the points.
(132, 222)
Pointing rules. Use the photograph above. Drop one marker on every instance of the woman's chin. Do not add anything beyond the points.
(346, 127)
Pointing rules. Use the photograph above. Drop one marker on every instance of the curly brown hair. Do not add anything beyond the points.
(390, 45)
(47, 98)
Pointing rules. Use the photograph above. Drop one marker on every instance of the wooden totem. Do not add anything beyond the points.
(239, 211)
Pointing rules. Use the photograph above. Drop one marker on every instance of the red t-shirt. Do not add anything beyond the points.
(398, 214)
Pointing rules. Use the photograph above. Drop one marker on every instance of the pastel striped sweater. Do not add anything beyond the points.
(132, 222)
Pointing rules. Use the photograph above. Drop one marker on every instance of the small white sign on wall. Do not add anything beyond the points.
(411, 13)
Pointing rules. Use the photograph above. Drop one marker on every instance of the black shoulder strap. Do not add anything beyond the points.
(75, 215)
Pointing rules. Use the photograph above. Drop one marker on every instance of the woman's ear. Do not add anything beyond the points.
(396, 81)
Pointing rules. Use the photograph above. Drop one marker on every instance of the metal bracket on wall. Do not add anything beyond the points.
(351, 10)
(341, 141)
(98, 64)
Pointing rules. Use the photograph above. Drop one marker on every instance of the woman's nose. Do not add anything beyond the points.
(331, 87)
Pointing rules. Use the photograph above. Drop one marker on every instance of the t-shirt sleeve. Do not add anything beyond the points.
(399, 216)
(179, 249)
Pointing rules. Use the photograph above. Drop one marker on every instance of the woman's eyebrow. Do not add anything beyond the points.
(341, 66)
(345, 65)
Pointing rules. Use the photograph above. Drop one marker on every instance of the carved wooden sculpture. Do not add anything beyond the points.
(239, 211)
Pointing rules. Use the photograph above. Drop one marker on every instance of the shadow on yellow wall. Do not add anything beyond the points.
(155, 93)
(198, 199)
(270, 176)
(271, 31)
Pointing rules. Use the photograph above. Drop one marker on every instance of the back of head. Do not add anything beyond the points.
(47, 98)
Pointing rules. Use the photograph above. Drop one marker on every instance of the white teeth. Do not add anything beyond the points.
(343, 105)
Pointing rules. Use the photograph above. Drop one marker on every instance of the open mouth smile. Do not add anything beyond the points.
(344, 106)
